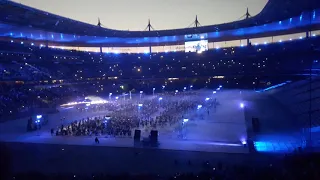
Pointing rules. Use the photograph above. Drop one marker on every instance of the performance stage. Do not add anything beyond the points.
(220, 129)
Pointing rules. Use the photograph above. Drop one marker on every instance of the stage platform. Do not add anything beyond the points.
(220, 130)
(214, 137)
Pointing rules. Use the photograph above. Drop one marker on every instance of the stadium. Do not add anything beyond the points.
(242, 92)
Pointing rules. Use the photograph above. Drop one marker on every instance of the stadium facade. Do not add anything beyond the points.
(279, 21)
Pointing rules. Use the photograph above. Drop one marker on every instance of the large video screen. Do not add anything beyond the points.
(196, 46)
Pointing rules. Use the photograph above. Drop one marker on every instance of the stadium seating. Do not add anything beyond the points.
(241, 67)
(297, 98)
(26, 62)
(39, 78)
(297, 166)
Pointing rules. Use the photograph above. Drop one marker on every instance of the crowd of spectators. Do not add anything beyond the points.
(292, 167)
(28, 66)
(25, 63)
(22, 63)
(19, 99)
(123, 118)
(19, 71)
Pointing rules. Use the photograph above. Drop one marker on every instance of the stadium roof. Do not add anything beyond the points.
(21, 15)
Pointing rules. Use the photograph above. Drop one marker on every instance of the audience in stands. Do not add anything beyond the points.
(66, 74)
(293, 167)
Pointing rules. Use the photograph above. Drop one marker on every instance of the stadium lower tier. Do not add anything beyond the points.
(17, 98)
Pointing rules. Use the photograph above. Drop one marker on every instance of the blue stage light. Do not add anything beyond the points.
(241, 105)
(243, 142)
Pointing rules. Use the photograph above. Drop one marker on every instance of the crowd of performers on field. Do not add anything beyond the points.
(125, 117)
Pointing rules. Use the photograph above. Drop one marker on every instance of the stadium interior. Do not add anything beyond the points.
(239, 100)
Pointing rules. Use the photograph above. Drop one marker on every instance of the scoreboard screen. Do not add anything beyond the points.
(196, 46)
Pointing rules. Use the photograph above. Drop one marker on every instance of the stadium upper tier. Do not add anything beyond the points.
(22, 62)
(20, 21)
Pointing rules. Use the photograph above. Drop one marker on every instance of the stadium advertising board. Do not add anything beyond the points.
(196, 46)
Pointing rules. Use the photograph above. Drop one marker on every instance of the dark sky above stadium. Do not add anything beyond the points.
(134, 14)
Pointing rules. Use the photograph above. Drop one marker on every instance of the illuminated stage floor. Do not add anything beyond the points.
(222, 130)
(187, 145)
